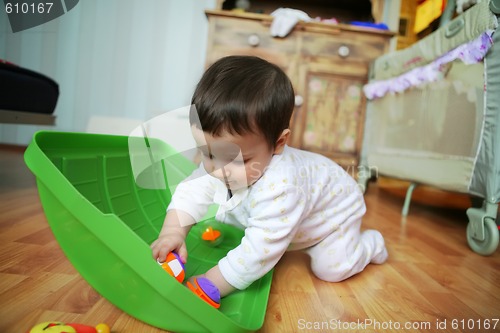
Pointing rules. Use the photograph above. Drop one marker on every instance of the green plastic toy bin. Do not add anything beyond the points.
(104, 223)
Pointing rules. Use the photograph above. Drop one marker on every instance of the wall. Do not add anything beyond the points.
(117, 61)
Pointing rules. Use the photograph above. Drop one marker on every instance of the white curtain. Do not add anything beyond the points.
(117, 59)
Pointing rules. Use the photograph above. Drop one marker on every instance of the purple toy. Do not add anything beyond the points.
(206, 290)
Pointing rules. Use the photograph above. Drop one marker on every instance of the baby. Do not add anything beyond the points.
(286, 199)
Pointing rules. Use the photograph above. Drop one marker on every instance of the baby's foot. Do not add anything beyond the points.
(381, 257)
(380, 254)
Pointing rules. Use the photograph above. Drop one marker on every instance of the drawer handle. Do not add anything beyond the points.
(454, 27)
(344, 51)
(253, 40)
(299, 100)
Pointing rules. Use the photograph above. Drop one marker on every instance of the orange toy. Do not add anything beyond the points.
(58, 327)
(173, 265)
(210, 234)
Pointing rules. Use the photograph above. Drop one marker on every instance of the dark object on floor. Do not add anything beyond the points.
(26, 97)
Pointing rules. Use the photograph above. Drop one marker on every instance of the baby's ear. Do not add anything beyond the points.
(281, 142)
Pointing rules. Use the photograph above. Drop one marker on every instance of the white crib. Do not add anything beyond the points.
(433, 117)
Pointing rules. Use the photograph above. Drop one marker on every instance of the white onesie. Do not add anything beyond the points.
(303, 201)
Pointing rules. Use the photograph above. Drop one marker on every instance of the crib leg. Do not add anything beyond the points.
(482, 231)
(362, 183)
(364, 175)
(409, 192)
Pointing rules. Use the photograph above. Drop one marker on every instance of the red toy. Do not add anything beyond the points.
(58, 327)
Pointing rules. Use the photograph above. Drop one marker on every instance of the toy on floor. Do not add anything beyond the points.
(211, 236)
(58, 327)
(205, 289)
(173, 266)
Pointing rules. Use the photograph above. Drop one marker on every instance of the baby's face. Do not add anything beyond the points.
(237, 160)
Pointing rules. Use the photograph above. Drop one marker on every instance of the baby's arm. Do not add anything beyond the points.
(189, 203)
(215, 276)
(270, 229)
(172, 235)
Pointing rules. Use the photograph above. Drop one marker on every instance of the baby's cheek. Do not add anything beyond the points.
(252, 174)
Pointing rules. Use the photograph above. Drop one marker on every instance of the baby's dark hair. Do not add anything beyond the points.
(243, 94)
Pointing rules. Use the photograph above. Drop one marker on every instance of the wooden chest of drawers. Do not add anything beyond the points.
(328, 65)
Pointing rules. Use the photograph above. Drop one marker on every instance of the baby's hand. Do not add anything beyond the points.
(168, 242)
(172, 235)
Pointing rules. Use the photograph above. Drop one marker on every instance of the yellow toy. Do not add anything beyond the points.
(58, 327)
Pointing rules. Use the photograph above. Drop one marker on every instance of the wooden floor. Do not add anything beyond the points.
(432, 281)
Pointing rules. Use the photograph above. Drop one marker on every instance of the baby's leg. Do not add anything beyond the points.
(346, 252)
